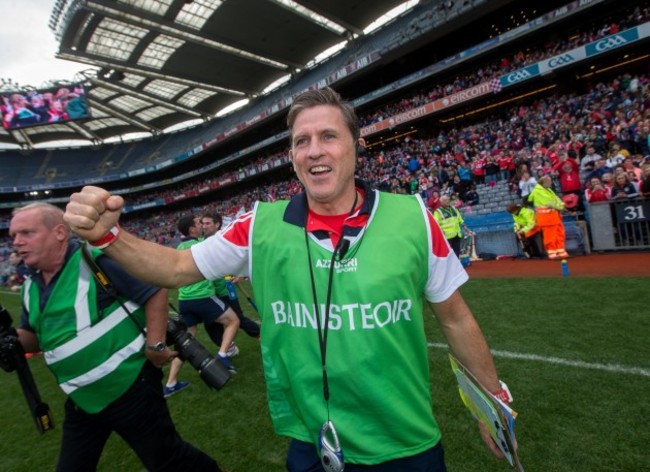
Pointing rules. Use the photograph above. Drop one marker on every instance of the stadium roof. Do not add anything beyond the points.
(159, 64)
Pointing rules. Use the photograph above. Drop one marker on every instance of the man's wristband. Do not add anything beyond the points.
(108, 239)
(503, 393)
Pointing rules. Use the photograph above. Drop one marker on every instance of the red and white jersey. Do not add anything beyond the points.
(228, 251)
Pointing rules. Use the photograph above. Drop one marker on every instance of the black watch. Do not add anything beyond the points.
(158, 347)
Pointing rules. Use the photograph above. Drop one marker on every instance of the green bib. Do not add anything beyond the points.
(377, 355)
(94, 355)
(202, 289)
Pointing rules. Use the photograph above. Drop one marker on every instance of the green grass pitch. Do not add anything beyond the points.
(575, 353)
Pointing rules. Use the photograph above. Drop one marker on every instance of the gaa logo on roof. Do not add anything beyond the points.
(610, 43)
(559, 61)
(518, 76)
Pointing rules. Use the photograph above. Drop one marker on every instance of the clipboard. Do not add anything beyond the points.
(497, 416)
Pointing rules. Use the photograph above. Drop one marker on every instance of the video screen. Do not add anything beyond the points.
(21, 109)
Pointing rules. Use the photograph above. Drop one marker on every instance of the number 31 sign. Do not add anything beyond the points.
(633, 211)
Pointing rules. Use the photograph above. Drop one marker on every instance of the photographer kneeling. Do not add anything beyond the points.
(96, 350)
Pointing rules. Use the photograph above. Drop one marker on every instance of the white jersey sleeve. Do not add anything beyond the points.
(446, 273)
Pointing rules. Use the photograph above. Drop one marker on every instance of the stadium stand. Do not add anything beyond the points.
(227, 164)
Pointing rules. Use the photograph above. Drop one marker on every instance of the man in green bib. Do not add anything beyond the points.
(340, 273)
(104, 352)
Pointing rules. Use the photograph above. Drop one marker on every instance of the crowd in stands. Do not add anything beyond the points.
(582, 141)
(578, 140)
(519, 59)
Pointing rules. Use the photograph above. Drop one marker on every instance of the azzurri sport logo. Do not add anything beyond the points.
(347, 265)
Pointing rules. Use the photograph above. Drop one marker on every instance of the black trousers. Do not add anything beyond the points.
(142, 419)
(455, 245)
(303, 457)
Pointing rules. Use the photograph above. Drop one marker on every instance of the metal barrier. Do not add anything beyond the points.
(495, 235)
(617, 225)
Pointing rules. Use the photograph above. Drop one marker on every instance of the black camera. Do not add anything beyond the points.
(12, 358)
(213, 372)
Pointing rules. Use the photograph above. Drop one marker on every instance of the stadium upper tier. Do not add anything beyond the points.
(160, 64)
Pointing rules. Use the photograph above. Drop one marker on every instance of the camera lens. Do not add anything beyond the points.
(213, 373)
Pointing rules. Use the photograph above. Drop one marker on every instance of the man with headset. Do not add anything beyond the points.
(348, 381)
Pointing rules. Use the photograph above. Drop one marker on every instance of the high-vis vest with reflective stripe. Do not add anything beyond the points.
(94, 355)
(525, 220)
(450, 221)
(542, 197)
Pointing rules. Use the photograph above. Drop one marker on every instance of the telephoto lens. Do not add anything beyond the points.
(213, 372)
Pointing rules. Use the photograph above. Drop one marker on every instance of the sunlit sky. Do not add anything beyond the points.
(29, 46)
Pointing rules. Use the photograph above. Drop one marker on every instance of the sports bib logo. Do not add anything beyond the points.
(346, 265)
(351, 317)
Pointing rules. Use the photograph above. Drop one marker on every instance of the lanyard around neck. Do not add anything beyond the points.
(340, 249)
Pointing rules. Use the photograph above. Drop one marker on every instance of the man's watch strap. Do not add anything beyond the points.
(158, 347)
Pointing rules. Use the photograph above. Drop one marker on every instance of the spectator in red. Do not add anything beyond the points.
(504, 161)
(562, 158)
(574, 146)
(478, 168)
(553, 152)
(569, 178)
(596, 191)
(434, 201)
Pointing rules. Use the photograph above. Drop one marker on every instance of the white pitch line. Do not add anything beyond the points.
(616, 368)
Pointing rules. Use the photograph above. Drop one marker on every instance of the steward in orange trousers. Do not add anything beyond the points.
(547, 212)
